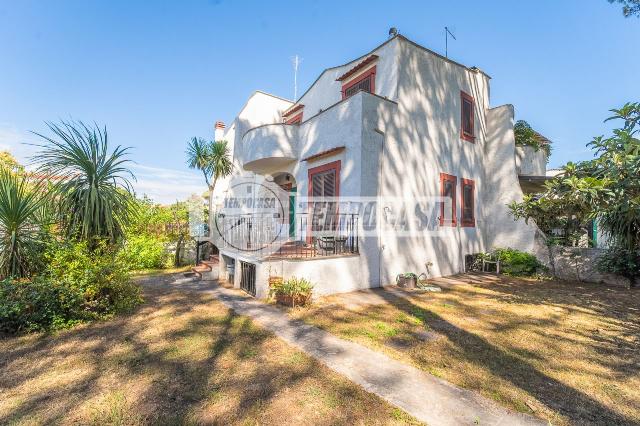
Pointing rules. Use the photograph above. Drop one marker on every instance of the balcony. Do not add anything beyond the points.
(269, 147)
(311, 235)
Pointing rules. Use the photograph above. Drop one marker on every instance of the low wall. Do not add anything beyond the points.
(580, 264)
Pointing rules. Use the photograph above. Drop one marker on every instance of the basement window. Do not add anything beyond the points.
(448, 199)
(468, 203)
(467, 129)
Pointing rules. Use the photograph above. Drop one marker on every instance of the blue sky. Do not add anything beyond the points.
(157, 73)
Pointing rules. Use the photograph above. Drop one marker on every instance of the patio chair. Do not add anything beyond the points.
(491, 259)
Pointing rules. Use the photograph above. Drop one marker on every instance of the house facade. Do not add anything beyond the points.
(394, 162)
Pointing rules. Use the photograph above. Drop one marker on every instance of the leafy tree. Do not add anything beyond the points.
(91, 183)
(20, 229)
(629, 7)
(8, 162)
(606, 189)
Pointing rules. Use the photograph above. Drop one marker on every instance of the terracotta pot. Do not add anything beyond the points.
(298, 300)
(406, 282)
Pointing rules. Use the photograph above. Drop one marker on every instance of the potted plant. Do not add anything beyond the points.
(292, 292)
(407, 280)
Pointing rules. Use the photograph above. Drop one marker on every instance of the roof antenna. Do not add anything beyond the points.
(393, 31)
(296, 60)
(447, 33)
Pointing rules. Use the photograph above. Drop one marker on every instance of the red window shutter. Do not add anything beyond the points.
(468, 201)
(448, 194)
(467, 129)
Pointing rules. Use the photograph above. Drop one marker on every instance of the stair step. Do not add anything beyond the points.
(201, 268)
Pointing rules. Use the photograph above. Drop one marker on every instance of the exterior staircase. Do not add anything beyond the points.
(207, 269)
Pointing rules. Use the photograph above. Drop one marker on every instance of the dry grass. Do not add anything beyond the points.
(567, 352)
(181, 358)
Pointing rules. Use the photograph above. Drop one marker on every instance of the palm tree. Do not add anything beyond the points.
(91, 184)
(213, 159)
(21, 203)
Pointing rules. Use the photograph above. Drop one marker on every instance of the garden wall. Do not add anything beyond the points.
(579, 264)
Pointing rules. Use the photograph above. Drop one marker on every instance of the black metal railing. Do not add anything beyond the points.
(307, 235)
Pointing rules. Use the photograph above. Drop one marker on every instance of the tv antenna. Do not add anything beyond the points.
(447, 33)
(296, 60)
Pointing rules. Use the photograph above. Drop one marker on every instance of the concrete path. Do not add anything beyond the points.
(420, 394)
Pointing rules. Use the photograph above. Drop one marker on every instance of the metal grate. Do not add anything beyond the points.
(365, 85)
(248, 277)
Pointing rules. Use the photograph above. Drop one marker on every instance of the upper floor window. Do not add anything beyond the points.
(468, 203)
(448, 203)
(366, 82)
(360, 77)
(293, 115)
(467, 129)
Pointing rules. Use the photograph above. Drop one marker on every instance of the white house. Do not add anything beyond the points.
(401, 127)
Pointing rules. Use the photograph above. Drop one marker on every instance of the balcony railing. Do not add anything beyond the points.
(302, 237)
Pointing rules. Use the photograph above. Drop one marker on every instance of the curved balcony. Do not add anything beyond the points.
(268, 147)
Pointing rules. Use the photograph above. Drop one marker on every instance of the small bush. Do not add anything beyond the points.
(294, 290)
(620, 261)
(78, 285)
(518, 263)
(38, 304)
(144, 252)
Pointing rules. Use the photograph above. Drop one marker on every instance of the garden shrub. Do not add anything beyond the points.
(621, 261)
(518, 263)
(77, 285)
(38, 304)
(145, 252)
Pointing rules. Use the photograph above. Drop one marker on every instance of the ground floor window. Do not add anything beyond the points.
(324, 188)
(448, 199)
(468, 203)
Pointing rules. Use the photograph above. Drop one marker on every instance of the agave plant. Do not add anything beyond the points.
(21, 203)
(90, 183)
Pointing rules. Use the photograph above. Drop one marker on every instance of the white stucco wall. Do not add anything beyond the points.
(530, 162)
(395, 149)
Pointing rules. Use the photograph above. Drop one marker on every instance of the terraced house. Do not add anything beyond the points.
(403, 128)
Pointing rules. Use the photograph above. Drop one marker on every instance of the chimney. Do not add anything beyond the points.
(218, 133)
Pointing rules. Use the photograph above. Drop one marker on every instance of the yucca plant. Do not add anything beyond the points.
(21, 203)
(91, 183)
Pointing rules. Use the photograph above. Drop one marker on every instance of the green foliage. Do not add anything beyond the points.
(213, 159)
(78, 285)
(518, 263)
(629, 7)
(38, 304)
(8, 162)
(293, 287)
(144, 252)
(606, 188)
(90, 182)
(621, 261)
(526, 136)
(100, 275)
(20, 231)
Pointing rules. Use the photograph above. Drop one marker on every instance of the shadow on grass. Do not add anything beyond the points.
(180, 358)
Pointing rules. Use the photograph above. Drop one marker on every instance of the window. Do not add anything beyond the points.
(467, 129)
(324, 182)
(294, 120)
(366, 82)
(468, 203)
(448, 203)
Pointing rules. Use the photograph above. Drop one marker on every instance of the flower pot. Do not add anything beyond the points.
(406, 282)
(288, 300)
